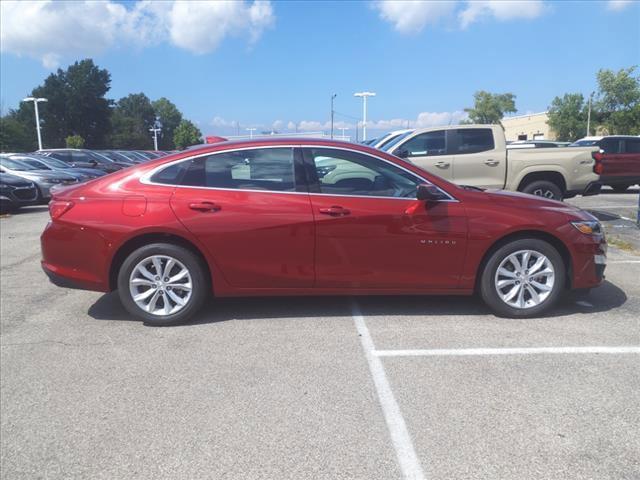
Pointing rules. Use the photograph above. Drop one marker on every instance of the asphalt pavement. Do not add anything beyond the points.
(325, 387)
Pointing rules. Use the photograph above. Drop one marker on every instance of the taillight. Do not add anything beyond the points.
(57, 208)
(597, 167)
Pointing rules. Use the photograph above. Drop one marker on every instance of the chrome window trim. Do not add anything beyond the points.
(146, 178)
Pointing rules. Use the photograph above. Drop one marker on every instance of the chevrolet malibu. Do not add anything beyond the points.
(311, 217)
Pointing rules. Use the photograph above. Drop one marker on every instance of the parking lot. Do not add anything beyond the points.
(366, 388)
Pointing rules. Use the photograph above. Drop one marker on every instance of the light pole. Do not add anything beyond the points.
(250, 130)
(155, 130)
(364, 96)
(35, 105)
(332, 97)
(343, 130)
(589, 114)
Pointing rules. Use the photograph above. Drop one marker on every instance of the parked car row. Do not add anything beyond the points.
(479, 156)
(46, 169)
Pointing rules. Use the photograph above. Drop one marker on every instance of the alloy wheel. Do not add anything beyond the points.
(524, 279)
(160, 285)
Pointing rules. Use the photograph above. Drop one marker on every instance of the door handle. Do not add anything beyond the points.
(205, 207)
(491, 162)
(335, 211)
(442, 164)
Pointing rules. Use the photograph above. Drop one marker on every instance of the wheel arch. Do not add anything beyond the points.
(144, 239)
(548, 175)
(558, 244)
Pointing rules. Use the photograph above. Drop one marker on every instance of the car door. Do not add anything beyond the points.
(429, 151)
(251, 214)
(477, 161)
(372, 233)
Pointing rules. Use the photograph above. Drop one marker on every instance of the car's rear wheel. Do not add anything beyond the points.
(162, 284)
(523, 278)
(544, 188)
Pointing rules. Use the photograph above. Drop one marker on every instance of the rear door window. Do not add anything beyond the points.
(632, 145)
(472, 140)
(270, 169)
(610, 145)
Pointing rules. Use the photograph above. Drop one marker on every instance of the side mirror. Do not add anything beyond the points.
(401, 153)
(429, 193)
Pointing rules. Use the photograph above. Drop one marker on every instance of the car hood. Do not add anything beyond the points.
(8, 179)
(527, 201)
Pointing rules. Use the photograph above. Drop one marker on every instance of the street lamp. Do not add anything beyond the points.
(364, 96)
(35, 105)
(155, 130)
(343, 130)
(250, 130)
(332, 98)
(589, 113)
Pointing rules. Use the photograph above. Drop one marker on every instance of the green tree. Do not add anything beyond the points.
(187, 134)
(568, 117)
(618, 102)
(15, 136)
(489, 108)
(74, 141)
(170, 117)
(76, 105)
(132, 118)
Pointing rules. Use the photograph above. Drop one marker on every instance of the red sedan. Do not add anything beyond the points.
(311, 217)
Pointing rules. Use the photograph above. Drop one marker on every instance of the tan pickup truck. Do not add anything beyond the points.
(476, 155)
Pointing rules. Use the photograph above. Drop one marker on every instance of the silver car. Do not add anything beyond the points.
(45, 180)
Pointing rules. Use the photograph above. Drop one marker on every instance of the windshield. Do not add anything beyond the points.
(389, 146)
(46, 162)
(35, 163)
(584, 143)
(16, 165)
(389, 139)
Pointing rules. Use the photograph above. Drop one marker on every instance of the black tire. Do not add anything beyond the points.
(620, 188)
(489, 292)
(544, 188)
(199, 280)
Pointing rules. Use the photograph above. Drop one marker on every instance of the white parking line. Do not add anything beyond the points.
(407, 458)
(505, 351)
(623, 261)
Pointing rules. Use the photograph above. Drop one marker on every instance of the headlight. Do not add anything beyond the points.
(588, 227)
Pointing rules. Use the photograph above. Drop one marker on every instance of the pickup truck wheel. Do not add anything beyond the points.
(523, 278)
(544, 188)
(162, 284)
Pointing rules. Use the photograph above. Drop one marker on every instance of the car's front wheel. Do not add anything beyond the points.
(162, 284)
(523, 278)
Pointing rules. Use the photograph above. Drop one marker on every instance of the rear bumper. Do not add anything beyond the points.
(74, 257)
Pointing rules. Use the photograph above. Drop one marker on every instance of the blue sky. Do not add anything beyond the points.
(279, 62)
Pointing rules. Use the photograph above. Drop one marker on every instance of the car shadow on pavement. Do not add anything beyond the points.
(604, 298)
(26, 210)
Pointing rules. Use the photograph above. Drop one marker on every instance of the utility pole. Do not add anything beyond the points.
(343, 130)
(589, 114)
(332, 98)
(250, 130)
(364, 96)
(35, 105)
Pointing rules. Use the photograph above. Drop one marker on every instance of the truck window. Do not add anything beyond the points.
(610, 145)
(473, 140)
(632, 146)
(426, 144)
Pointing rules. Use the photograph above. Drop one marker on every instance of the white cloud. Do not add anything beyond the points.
(54, 30)
(618, 5)
(500, 9)
(411, 16)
